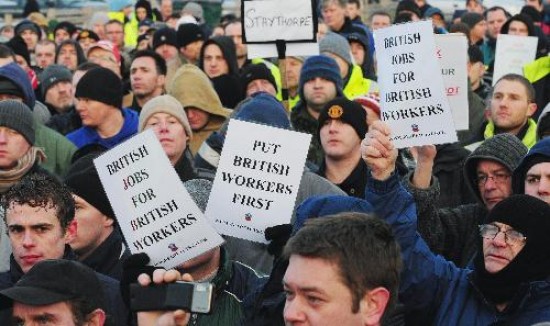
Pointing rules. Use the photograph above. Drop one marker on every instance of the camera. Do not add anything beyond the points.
(189, 296)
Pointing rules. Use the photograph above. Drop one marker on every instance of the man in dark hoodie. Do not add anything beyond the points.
(14, 84)
(218, 59)
(532, 176)
(69, 54)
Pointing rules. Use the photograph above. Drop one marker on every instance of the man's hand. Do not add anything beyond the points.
(378, 151)
(163, 318)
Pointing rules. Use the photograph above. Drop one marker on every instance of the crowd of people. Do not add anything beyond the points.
(447, 234)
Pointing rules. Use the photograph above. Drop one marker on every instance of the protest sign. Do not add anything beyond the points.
(512, 53)
(452, 52)
(268, 21)
(412, 95)
(257, 179)
(155, 212)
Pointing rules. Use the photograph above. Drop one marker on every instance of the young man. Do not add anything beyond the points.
(190, 40)
(379, 19)
(147, 77)
(44, 53)
(99, 101)
(532, 176)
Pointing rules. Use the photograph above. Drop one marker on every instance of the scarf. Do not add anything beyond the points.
(9, 177)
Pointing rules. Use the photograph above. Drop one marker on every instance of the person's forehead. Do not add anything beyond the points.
(45, 47)
(540, 168)
(4, 128)
(59, 312)
(510, 86)
(299, 268)
(68, 47)
(497, 13)
(143, 62)
(487, 165)
(33, 215)
(99, 52)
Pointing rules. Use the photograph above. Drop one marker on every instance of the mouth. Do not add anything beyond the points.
(30, 259)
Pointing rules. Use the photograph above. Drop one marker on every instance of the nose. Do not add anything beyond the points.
(28, 240)
(293, 312)
(500, 240)
(544, 186)
(3, 137)
(490, 184)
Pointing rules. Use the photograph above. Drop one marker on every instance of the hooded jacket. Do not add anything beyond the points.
(228, 86)
(58, 149)
(201, 96)
(531, 29)
(539, 153)
(80, 57)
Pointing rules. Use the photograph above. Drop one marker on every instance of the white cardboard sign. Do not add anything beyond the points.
(512, 53)
(292, 50)
(155, 212)
(270, 20)
(257, 179)
(412, 95)
(452, 51)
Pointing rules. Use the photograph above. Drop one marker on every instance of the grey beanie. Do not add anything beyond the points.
(336, 44)
(199, 189)
(165, 104)
(17, 116)
(505, 149)
(52, 75)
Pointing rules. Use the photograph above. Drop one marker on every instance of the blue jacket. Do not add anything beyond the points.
(86, 135)
(437, 287)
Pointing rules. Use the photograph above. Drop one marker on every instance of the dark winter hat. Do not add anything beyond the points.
(256, 71)
(336, 44)
(474, 54)
(67, 26)
(532, 12)
(319, 206)
(102, 85)
(19, 47)
(27, 25)
(323, 67)
(189, 33)
(408, 6)
(540, 153)
(471, 19)
(145, 4)
(265, 109)
(56, 280)
(520, 18)
(348, 111)
(163, 36)
(83, 180)
(199, 190)
(87, 33)
(8, 87)
(505, 149)
(432, 11)
(17, 116)
(52, 75)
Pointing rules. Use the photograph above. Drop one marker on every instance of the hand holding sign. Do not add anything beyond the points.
(378, 151)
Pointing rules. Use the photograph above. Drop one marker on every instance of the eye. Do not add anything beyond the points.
(314, 300)
(289, 294)
(532, 179)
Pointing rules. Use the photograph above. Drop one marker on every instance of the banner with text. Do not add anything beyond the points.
(155, 212)
(452, 52)
(512, 53)
(412, 95)
(257, 179)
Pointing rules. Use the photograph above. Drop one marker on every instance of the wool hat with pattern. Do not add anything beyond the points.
(102, 85)
(349, 112)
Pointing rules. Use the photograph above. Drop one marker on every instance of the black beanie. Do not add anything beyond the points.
(471, 19)
(102, 85)
(163, 36)
(83, 180)
(17, 116)
(19, 47)
(256, 71)
(189, 33)
(66, 26)
(348, 111)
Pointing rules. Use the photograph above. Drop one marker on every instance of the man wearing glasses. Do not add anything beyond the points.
(510, 281)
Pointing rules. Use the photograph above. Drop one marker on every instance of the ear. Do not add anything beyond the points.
(108, 221)
(96, 318)
(70, 231)
(532, 108)
(161, 80)
(373, 305)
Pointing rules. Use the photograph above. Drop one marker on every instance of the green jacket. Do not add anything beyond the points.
(357, 85)
(59, 150)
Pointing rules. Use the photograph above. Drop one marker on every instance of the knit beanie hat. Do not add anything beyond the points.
(52, 75)
(348, 111)
(27, 25)
(67, 26)
(336, 44)
(256, 71)
(199, 190)
(540, 153)
(19, 47)
(102, 85)
(319, 206)
(323, 67)
(189, 33)
(505, 149)
(265, 109)
(528, 215)
(163, 36)
(7, 86)
(195, 10)
(83, 180)
(17, 116)
(471, 19)
(165, 104)
(408, 5)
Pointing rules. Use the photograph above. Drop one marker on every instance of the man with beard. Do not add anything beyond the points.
(57, 89)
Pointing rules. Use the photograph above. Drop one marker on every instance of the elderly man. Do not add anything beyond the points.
(57, 89)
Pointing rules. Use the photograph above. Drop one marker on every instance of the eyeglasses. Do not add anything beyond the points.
(490, 231)
(497, 178)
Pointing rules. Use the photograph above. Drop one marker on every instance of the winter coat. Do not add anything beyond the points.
(436, 286)
(87, 135)
(303, 121)
(108, 257)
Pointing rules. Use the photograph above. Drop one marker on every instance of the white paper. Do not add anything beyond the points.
(292, 50)
(257, 179)
(270, 20)
(512, 53)
(452, 51)
(412, 95)
(154, 210)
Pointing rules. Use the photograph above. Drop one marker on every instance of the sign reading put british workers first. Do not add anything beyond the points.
(452, 52)
(155, 212)
(292, 21)
(257, 179)
(412, 95)
(512, 53)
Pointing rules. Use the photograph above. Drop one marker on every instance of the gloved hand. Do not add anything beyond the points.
(279, 235)
(132, 267)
